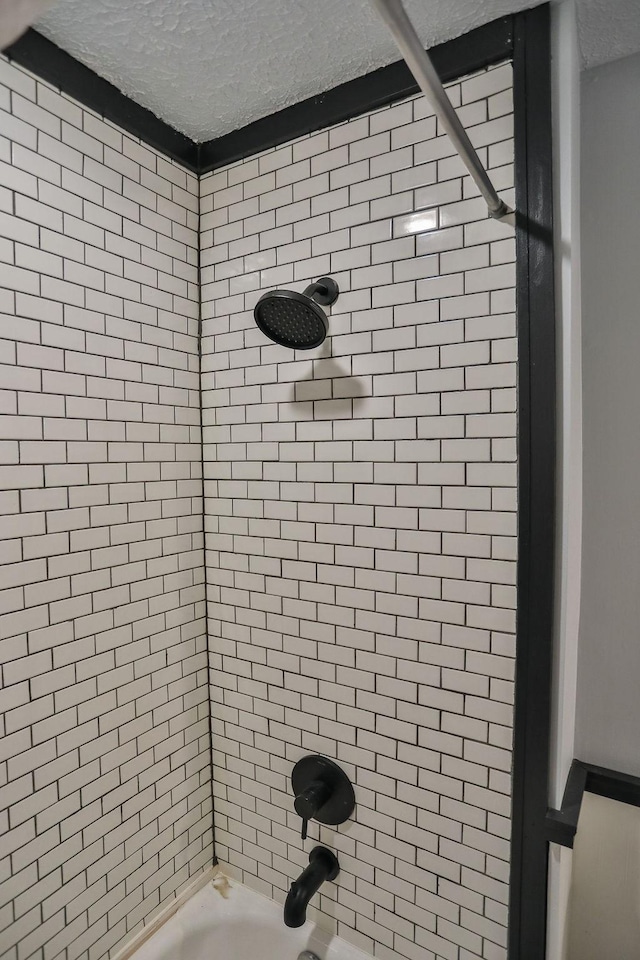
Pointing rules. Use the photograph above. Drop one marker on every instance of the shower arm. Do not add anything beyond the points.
(419, 62)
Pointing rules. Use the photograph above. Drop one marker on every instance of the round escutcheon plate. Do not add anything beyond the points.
(342, 799)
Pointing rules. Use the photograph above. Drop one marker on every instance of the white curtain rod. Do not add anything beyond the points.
(419, 62)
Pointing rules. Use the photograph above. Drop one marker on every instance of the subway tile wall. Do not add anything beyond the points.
(360, 517)
(105, 794)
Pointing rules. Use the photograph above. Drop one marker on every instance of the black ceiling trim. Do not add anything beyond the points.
(562, 824)
(56, 66)
(472, 51)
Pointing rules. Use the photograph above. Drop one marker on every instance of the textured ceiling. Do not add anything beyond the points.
(608, 30)
(210, 66)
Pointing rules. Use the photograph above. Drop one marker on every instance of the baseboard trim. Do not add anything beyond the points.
(166, 913)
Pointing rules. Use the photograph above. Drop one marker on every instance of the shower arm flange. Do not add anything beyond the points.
(502, 211)
(426, 76)
(324, 291)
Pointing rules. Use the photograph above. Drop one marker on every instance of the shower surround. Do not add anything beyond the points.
(360, 518)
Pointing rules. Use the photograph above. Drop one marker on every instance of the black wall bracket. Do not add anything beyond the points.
(562, 824)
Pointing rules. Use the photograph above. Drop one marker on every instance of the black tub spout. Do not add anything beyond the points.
(323, 865)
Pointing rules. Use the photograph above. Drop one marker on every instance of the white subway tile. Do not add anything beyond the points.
(361, 543)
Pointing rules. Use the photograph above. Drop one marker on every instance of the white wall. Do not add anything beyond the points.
(608, 711)
(105, 797)
(566, 157)
(604, 915)
(565, 62)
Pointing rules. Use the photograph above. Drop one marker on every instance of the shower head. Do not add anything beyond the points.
(297, 320)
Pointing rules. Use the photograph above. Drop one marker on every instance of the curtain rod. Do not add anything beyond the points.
(419, 62)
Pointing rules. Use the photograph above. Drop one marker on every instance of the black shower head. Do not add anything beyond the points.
(297, 320)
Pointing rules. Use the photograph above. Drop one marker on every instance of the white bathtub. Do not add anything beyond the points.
(231, 922)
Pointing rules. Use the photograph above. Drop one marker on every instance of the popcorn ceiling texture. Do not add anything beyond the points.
(360, 517)
(206, 70)
(607, 30)
(105, 795)
(210, 66)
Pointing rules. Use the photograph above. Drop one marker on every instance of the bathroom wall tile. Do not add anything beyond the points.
(360, 517)
(361, 531)
(103, 645)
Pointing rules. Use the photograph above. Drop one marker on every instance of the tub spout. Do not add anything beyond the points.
(323, 865)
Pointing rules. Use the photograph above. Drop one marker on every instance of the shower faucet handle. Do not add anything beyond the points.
(322, 792)
(310, 801)
(312, 798)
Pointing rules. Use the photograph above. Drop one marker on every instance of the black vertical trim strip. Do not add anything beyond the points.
(536, 481)
(487, 44)
(48, 61)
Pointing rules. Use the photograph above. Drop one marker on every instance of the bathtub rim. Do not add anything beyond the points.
(138, 939)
